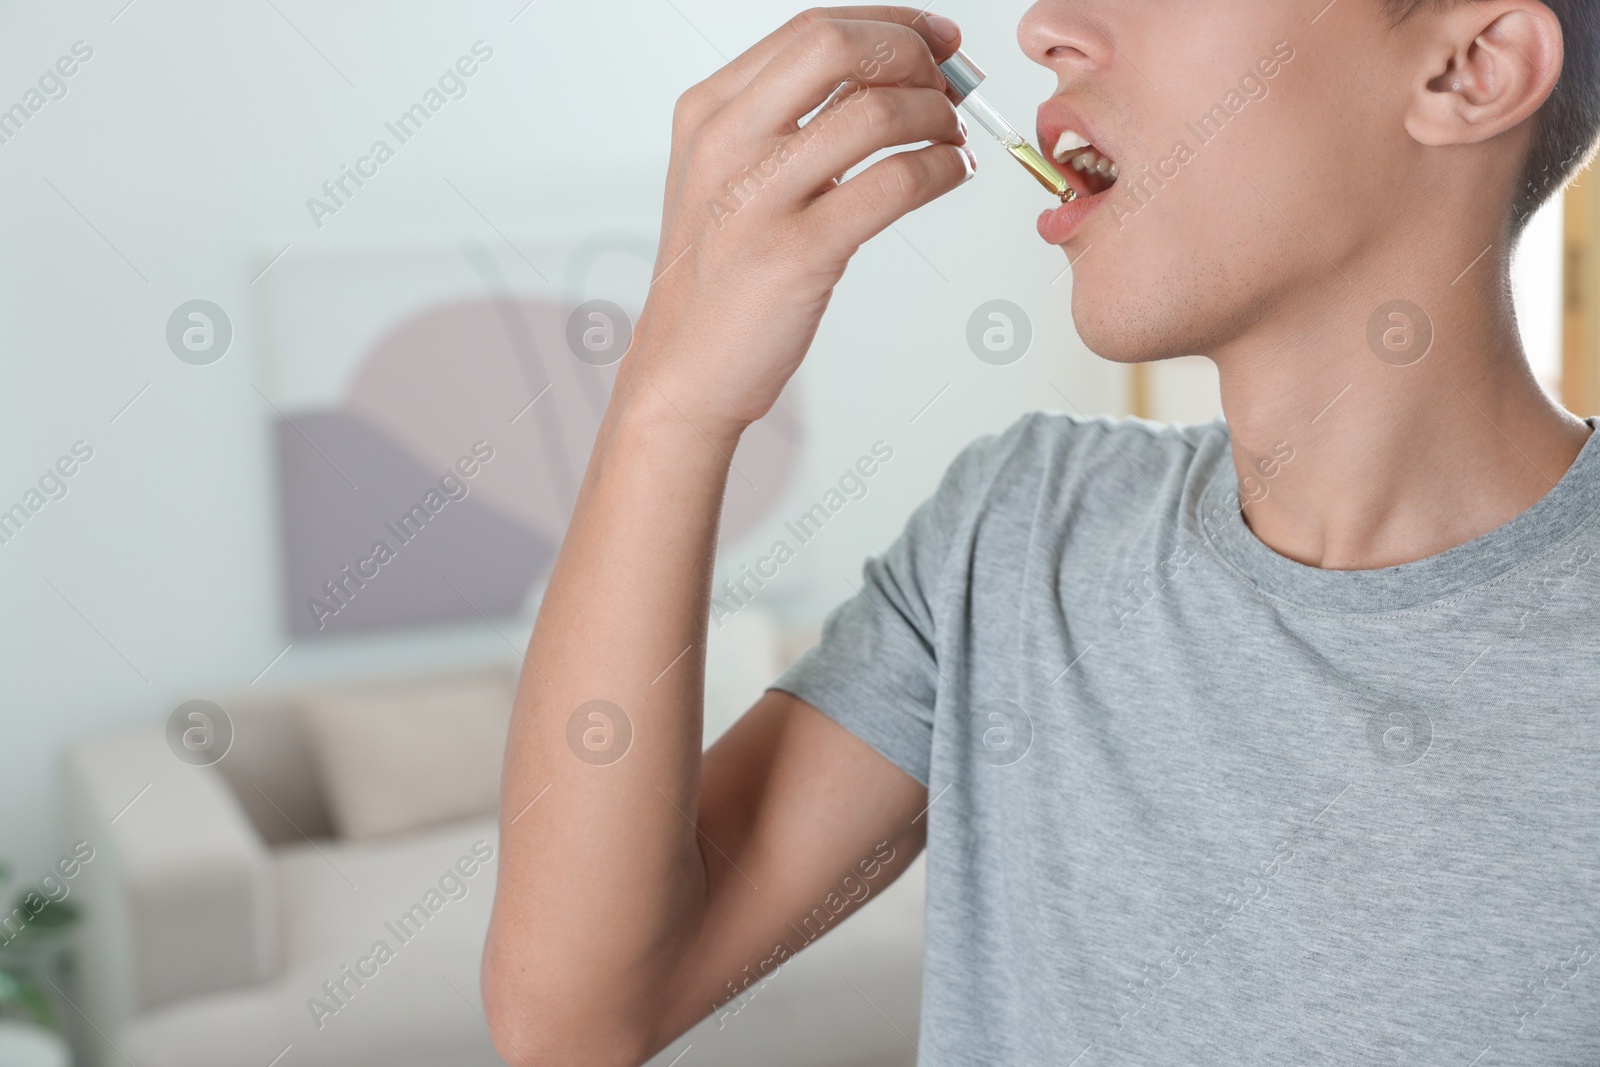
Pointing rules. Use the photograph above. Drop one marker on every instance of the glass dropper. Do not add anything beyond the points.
(965, 76)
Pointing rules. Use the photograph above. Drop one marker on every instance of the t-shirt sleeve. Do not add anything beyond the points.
(876, 669)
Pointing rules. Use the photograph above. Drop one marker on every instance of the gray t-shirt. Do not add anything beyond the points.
(1195, 803)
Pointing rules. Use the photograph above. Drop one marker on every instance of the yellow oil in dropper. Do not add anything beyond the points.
(964, 77)
(1041, 168)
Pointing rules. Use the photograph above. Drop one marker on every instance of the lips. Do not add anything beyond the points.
(1083, 161)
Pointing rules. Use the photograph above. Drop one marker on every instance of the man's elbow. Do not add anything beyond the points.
(533, 1030)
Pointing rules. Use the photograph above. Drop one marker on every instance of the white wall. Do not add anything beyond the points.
(191, 141)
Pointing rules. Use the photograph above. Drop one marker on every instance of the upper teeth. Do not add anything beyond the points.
(1069, 141)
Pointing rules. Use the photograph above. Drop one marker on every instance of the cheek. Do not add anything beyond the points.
(1323, 161)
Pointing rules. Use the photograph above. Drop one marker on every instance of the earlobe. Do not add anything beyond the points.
(1500, 62)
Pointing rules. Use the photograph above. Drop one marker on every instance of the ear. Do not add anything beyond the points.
(1493, 64)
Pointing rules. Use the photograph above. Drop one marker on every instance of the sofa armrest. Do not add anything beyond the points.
(180, 898)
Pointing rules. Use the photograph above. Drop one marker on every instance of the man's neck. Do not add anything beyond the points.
(1392, 462)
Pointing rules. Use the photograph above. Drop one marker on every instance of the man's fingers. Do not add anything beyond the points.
(869, 203)
(940, 34)
(853, 127)
(811, 67)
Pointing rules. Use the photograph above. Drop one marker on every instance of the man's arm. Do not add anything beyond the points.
(631, 890)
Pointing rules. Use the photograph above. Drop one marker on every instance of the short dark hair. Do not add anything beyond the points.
(1569, 123)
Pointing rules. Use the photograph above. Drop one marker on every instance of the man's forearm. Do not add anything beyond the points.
(610, 847)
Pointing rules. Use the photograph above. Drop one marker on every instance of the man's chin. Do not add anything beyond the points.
(1130, 327)
(1124, 336)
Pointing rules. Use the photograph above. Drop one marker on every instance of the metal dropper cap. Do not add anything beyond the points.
(963, 73)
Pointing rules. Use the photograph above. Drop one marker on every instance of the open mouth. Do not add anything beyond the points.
(1086, 169)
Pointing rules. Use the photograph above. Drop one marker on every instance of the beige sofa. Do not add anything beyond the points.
(231, 921)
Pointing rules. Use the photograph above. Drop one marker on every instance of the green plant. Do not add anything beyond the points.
(32, 930)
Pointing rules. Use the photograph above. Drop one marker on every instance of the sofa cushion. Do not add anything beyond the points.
(426, 896)
(271, 767)
(394, 759)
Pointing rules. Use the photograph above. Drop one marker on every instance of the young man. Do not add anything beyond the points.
(1267, 741)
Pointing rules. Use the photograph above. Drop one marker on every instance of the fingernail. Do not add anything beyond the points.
(970, 160)
(944, 29)
(961, 124)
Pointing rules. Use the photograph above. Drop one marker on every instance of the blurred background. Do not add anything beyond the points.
(245, 346)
